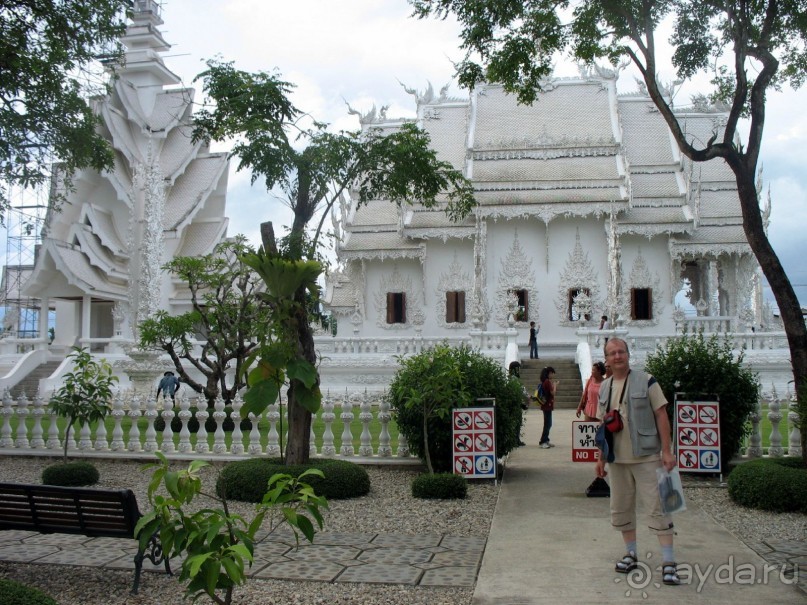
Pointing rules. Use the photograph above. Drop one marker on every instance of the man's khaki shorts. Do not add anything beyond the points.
(626, 481)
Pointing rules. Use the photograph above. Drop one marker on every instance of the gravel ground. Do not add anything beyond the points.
(388, 508)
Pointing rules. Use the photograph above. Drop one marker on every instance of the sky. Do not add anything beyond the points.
(360, 51)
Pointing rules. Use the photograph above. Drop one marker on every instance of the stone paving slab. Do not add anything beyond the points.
(428, 559)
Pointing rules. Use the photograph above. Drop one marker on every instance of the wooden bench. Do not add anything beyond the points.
(49, 509)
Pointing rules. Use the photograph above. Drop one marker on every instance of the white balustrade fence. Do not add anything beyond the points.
(29, 427)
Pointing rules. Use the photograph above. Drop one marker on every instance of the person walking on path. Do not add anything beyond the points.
(548, 386)
(590, 398)
(534, 340)
(642, 444)
(169, 385)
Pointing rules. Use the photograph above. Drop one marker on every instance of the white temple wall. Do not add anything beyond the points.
(381, 277)
(449, 268)
(646, 265)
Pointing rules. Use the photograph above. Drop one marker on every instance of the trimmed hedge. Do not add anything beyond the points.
(14, 593)
(70, 474)
(247, 480)
(774, 484)
(440, 486)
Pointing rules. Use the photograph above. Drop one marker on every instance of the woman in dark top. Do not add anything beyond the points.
(548, 384)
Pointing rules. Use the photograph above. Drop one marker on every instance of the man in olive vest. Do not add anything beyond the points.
(642, 445)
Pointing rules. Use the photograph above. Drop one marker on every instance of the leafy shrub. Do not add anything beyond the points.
(70, 474)
(441, 378)
(193, 423)
(774, 484)
(246, 480)
(15, 593)
(695, 365)
(440, 486)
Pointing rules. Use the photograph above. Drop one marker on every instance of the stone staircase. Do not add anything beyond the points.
(30, 384)
(569, 389)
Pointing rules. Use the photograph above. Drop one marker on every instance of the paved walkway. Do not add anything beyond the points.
(548, 543)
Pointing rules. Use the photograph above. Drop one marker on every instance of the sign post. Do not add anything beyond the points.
(697, 435)
(474, 437)
(583, 448)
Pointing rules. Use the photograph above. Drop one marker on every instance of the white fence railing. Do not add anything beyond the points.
(29, 427)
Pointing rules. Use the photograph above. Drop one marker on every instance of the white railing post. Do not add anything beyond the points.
(53, 442)
(85, 441)
(151, 431)
(202, 446)
(101, 444)
(185, 415)
(219, 445)
(117, 414)
(254, 436)
(384, 416)
(312, 440)
(167, 415)
(37, 441)
(794, 444)
(403, 445)
(328, 417)
(365, 416)
(347, 418)
(22, 426)
(8, 412)
(134, 432)
(237, 445)
(775, 416)
(273, 438)
(754, 449)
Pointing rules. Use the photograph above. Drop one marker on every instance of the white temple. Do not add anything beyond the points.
(99, 265)
(586, 208)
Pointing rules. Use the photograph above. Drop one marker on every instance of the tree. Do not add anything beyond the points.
(313, 168)
(46, 49)
(86, 392)
(748, 47)
(225, 315)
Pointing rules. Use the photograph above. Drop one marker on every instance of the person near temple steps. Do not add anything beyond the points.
(549, 386)
(534, 340)
(642, 445)
(590, 398)
(169, 385)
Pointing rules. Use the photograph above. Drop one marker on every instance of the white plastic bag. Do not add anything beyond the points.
(670, 491)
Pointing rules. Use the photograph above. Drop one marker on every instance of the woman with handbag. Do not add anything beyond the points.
(591, 393)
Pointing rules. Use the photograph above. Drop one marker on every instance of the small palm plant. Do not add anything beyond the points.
(86, 394)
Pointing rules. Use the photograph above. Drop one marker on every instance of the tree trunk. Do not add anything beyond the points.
(297, 451)
(783, 292)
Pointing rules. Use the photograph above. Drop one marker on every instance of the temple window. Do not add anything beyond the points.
(641, 305)
(523, 311)
(571, 311)
(396, 307)
(455, 307)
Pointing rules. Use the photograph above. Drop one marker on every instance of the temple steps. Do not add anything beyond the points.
(30, 384)
(569, 389)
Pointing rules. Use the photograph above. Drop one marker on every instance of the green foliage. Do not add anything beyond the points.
(227, 314)
(696, 365)
(774, 484)
(429, 384)
(70, 474)
(15, 593)
(47, 51)
(86, 393)
(217, 546)
(440, 486)
(244, 480)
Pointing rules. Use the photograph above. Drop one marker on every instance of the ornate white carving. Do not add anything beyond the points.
(480, 310)
(578, 274)
(454, 281)
(516, 274)
(642, 277)
(397, 283)
(545, 212)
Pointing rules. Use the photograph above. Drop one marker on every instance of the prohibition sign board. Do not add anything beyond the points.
(697, 435)
(474, 438)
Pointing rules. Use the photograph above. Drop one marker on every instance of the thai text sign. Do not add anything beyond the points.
(697, 436)
(474, 435)
(583, 448)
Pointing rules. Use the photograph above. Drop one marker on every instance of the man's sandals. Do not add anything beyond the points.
(669, 571)
(627, 563)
